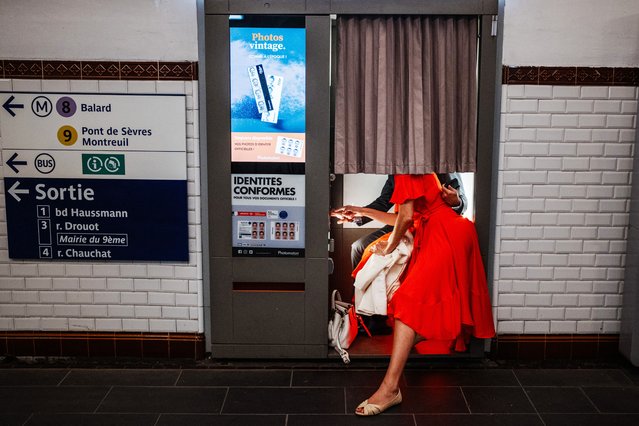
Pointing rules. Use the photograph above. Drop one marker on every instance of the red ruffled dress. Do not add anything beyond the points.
(444, 294)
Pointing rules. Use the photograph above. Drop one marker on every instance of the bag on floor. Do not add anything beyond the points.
(342, 326)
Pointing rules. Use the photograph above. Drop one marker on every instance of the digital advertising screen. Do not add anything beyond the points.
(268, 89)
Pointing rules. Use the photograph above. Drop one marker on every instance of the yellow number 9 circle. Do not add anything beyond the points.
(67, 135)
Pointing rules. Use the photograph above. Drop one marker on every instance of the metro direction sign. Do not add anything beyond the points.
(95, 176)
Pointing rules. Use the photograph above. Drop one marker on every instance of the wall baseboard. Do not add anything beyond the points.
(541, 347)
(533, 347)
(102, 344)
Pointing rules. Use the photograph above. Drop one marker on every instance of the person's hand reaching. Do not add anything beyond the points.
(450, 196)
(346, 213)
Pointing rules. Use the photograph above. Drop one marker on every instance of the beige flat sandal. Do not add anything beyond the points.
(375, 409)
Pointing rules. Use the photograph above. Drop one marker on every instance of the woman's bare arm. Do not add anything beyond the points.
(386, 218)
(403, 221)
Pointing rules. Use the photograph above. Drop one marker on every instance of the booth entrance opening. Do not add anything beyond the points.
(267, 176)
(360, 190)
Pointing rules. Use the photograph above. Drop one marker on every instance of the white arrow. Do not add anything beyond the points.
(14, 191)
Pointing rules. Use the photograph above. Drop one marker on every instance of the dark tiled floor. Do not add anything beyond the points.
(572, 377)
(497, 399)
(116, 378)
(560, 400)
(309, 394)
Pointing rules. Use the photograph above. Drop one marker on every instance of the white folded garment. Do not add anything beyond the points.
(378, 279)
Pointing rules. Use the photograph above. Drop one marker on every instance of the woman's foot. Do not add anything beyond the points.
(379, 402)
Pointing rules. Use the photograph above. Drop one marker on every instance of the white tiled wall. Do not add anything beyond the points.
(583, 33)
(564, 191)
(140, 30)
(125, 296)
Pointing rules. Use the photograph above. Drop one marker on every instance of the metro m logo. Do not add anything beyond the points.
(41, 106)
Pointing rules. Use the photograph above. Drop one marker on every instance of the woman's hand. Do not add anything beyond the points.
(380, 248)
(341, 215)
(346, 214)
(354, 211)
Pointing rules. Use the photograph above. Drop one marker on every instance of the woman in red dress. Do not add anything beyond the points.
(443, 298)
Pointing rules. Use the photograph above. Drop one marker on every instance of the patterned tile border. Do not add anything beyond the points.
(538, 347)
(102, 345)
(101, 70)
(23, 69)
(571, 76)
(98, 70)
(152, 70)
(68, 70)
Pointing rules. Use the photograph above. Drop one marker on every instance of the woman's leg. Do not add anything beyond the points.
(404, 338)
